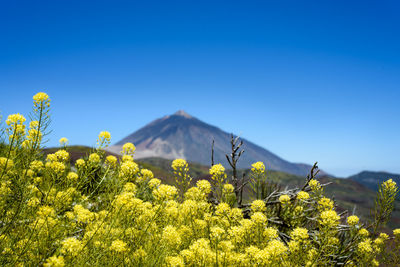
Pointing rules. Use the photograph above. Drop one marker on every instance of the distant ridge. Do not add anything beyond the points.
(181, 135)
(372, 179)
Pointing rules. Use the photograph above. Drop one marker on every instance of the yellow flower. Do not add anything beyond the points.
(352, 220)
(63, 141)
(228, 189)
(217, 170)
(62, 155)
(396, 233)
(71, 246)
(146, 174)
(299, 234)
(389, 186)
(111, 161)
(171, 236)
(204, 186)
(72, 176)
(6, 163)
(103, 139)
(165, 192)
(94, 158)
(363, 232)
(179, 164)
(153, 183)
(258, 206)
(128, 170)
(325, 204)
(41, 99)
(128, 149)
(35, 165)
(284, 199)
(270, 233)
(82, 215)
(364, 247)
(54, 262)
(118, 246)
(80, 163)
(15, 119)
(314, 185)
(222, 209)
(302, 195)
(55, 166)
(258, 167)
(127, 158)
(174, 261)
(259, 218)
(329, 218)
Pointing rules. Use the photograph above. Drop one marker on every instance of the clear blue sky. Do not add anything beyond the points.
(308, 80)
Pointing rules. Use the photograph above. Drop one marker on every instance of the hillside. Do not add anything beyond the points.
(182, 136)
(372, 179)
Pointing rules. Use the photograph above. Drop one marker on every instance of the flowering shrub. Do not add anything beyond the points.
(108, 211)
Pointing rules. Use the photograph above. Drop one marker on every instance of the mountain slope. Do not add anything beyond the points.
(372, 180)
(183, 136)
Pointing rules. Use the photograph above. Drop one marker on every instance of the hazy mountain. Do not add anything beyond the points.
(372, 180)
(182, 136)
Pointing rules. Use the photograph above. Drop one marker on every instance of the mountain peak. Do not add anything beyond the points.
(183, 114)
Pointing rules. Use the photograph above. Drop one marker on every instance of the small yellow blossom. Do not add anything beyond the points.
(363, 232)
(228, 189)
(352, 220)
(80, 163)
(165, 192)
(364, 247)
(72, 176)
(153, 183)
(118, 246)
(325, 204)
(396, 233)
(299, 234)
(179, 165)
(258, 206)
(103, 139)
(41, 99)
(329, 218)
(94, 158)
(258, 167)
(128, 149)
(284, 199)
(302, 195)
(54, 262)
(204, 186)
(71, 246)
(111, 161)
(63, 141)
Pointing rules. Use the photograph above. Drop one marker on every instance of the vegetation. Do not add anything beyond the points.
(106, 211)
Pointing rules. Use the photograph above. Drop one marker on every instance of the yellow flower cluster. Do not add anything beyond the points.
(302, 195)
(258, 206)
(217, 172)
(179, 165)
(111, 161)
(41, 99)
(352, 220)
(103, 139)
(63, 141)
(389, 186)
(258, 167)
(329, 218)
(118, 246)
(284, 199)
(128, 149)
